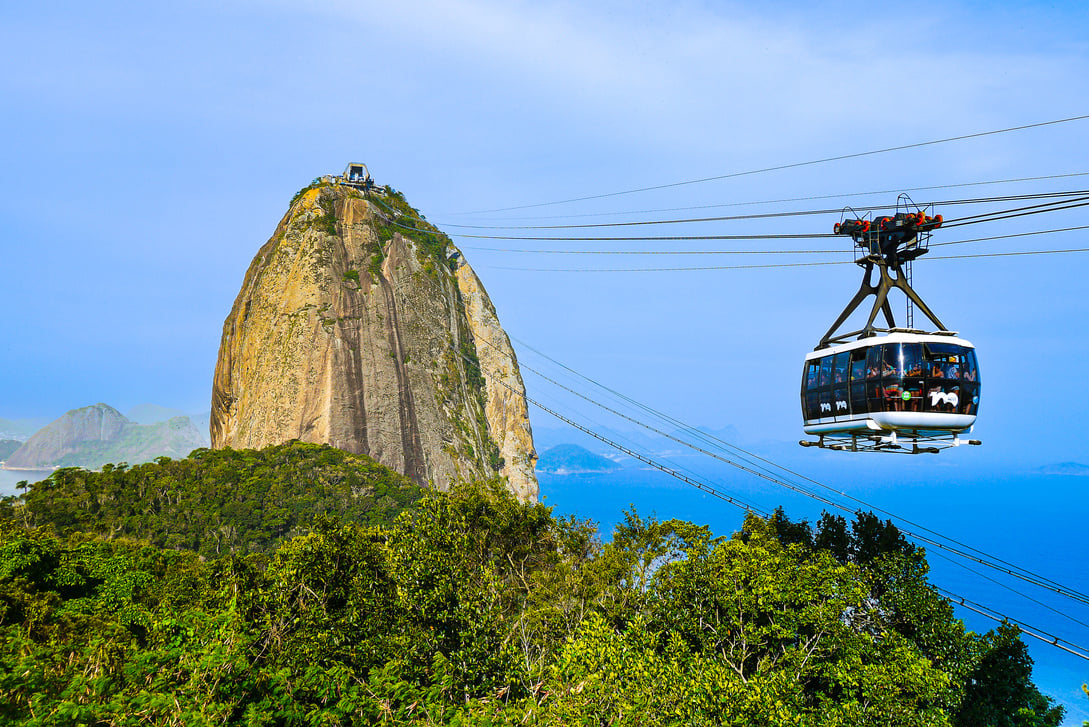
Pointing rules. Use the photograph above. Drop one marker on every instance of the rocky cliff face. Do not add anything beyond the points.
(359, 325)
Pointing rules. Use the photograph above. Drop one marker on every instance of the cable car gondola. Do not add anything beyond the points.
(890, 389)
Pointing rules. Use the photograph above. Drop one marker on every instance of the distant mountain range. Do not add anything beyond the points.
(20, 430)
(571, 459)
(1066, 468)
(95, 435)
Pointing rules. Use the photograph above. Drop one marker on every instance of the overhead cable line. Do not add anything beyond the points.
(755, 460)
(1014, 591)
(988, 561)
(751, 457)
(991, 216)
(1005, 237)
(761, 252)
(662, 252)
(715, 492)
(768, 265)
(945, 593)
(770, 215)
(795, 165)
(1010, 214)
(653, 463)
(653, 238)
(1063, 644)
(808, 198)
(985, 559)
(650, 461)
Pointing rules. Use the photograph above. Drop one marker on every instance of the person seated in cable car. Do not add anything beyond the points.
(915, 369)
(893, 400)
(912, 398)
(936, 371)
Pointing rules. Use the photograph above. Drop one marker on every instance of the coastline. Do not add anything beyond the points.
(3, 466)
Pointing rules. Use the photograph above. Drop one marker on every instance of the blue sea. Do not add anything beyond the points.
(1035, 520)
(10, 478)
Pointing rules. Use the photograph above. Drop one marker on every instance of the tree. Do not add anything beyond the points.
(1000, 692)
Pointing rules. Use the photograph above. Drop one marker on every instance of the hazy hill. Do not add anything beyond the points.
(7, 446)
(95, 435)
(1066, 468)
(20, 429)
(571, 459)
(152, 414)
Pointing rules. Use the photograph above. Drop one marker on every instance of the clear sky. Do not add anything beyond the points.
(150, 149)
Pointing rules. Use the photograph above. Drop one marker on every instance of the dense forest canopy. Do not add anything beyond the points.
(223, 500)
(167, 594)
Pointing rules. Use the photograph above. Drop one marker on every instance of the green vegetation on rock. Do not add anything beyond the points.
(7, 447)
(220, 501)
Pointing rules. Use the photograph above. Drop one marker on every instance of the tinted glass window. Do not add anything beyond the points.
(858, 396)
(873, 362)
(858, 364)
(891, 395)
(839, 367)
(826, 371)
(913, 359)
(971, 371)
(911, 394)
(945, 396)
(875, 396)
(812, 374)
(969, 403)
(947, 361)
(890, 360)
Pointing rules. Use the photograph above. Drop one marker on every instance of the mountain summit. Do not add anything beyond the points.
(360, 325)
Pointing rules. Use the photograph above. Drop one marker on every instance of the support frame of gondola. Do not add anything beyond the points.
(886, 246)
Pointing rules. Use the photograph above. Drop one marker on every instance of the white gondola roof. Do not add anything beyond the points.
(894, 336)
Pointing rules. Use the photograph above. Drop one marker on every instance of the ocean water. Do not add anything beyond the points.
(1037, 521)
(10, 478)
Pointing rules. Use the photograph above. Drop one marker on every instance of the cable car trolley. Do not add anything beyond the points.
(891, 389)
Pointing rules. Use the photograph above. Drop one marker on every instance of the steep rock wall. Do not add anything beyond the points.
(353, 330)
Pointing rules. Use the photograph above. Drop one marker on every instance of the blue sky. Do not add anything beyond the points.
(150, 150)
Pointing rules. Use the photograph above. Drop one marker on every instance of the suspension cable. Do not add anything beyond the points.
(1035, 580)
(794, 165)
(808, 198)
(769, 265)
(771, 215)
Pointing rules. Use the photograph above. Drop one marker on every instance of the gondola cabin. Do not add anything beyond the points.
(901, 386)
(888, 388)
